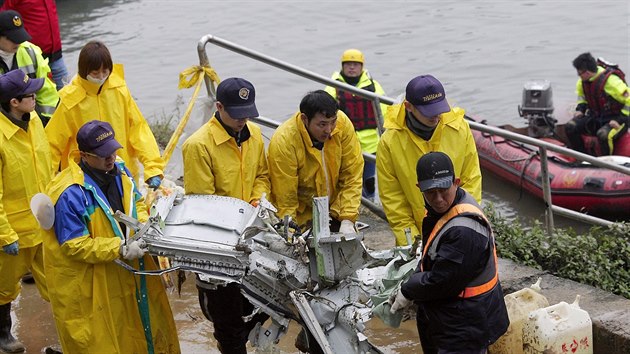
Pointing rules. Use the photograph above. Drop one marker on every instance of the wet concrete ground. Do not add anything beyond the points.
(34, 325)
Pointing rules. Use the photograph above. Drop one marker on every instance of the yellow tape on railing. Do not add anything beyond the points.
(187, 79)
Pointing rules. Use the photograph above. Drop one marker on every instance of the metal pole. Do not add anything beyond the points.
(380, 120)
(544, 174)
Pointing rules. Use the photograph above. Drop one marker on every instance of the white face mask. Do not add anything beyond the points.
(95, 80)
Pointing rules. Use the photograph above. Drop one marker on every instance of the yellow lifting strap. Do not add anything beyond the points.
(187, 78)
(611, 136)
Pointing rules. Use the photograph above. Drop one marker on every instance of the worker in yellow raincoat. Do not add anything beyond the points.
(424, 122)
(99, 92)
(226, 157)
(316, 153)
(24, 172)
(100, 307)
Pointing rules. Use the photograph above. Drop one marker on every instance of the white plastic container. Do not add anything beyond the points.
(561, 328)
(519, 304)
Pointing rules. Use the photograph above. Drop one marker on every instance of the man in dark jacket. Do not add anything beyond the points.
(456, 286)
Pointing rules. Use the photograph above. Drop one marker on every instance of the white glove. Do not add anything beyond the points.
(133, 250)
(399, 302)
(347, 227)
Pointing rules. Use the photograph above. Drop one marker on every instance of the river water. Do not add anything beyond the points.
(483, 51)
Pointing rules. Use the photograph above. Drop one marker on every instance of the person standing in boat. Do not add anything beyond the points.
(360, 110)
(99, 91)
(603, 105)
(422, 123)
(226, 157)
(24, 172)
(456, 285)
(316, 153)
(17, 53)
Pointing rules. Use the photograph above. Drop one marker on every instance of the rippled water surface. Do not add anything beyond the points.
(483, 51)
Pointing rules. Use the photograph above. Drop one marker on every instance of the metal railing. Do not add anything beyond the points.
(376, 99)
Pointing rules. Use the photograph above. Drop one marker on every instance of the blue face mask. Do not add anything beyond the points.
(95, 80)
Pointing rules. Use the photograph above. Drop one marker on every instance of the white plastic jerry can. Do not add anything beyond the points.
(559, 329)
(519, 304)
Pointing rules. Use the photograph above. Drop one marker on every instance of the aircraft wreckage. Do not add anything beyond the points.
(320, 279)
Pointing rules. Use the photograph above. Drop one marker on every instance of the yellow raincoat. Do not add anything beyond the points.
(99, 307)
(24, 172)
(398, 154)
(300, 171)
(83, 101)
(214, 164)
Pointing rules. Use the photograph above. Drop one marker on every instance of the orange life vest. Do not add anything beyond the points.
(467, 214)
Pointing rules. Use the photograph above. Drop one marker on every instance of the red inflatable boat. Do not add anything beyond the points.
(577, 186)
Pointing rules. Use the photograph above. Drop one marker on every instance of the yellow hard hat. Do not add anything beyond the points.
(352, 55)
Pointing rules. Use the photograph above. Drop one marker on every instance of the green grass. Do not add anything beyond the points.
(599, 257)
(163, 125)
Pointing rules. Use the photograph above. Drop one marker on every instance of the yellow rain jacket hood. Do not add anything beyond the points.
(99, 307)
(300, 171)
(398, 154)
(214, 164)
(83, 101)
(24, 172)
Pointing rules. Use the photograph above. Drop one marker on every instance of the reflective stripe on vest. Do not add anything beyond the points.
(358, 109)
(471, 217)
(599, 102)
(30, 69)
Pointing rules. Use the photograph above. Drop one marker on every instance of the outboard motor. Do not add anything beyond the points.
(537, 108)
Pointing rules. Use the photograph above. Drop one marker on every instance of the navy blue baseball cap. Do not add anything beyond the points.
(435, 170)
(12, 27)
(97, 137)
(16, 83)
(427, 94)
(237, 97)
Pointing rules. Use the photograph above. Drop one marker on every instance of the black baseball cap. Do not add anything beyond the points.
(435, 170)
(16, 83)
(427, 94)
(97, 137)
(237, 96)
(12, 27)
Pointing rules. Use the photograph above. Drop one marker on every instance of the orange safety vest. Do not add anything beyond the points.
(489, 277)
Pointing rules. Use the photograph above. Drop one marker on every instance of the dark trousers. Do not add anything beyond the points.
(369, 179)
(225, 307)
(428, 344)
(587, 125)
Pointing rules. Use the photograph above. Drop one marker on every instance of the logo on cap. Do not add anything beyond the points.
(104, 136)
(17, 21)
(431, 97)
(243, 93)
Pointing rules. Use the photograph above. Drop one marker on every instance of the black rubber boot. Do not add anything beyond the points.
(8, 343)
